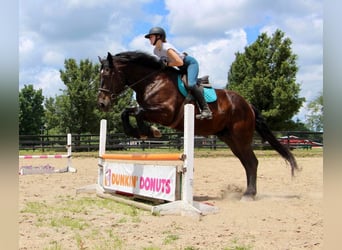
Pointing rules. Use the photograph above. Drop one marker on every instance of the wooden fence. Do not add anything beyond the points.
(90, 142)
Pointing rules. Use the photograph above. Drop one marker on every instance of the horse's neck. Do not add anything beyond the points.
(141, 78)
(155, 82)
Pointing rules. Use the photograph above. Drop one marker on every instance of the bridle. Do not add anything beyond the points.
(113, 70)
(106, 90)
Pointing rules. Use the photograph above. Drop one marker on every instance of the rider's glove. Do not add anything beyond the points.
(164, 62)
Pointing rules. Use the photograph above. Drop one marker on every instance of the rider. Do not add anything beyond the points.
(170, 56)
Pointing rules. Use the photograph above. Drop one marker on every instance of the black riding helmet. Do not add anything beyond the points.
(157, 31)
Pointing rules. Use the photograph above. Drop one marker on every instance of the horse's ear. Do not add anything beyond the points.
(110, 58)
(100, 60)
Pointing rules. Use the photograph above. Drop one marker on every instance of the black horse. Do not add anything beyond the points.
(160, 102)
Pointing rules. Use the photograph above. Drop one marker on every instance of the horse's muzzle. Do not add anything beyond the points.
(103, 104)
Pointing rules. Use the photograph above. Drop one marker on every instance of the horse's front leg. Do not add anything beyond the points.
(129, 130)
(143, 130)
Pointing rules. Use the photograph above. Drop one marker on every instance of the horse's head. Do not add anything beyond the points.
(110, 83)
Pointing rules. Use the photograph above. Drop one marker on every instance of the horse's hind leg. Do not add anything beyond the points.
(248, 160)
(250, 163)
(146, 131)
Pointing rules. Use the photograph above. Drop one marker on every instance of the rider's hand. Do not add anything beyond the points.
(164, 62)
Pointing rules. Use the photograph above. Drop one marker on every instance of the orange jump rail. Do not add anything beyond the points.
(145, 157)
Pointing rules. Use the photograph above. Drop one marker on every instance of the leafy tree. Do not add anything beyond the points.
(297, 125)
(265, 75)
(31, 111)
(113, 117)
(51, 117)
(76, 106)
(314, 118)
(75, 111)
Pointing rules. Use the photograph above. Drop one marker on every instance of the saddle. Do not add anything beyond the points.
(209, 92)
(202, 81)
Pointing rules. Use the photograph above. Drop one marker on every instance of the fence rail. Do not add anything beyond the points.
(90, 142)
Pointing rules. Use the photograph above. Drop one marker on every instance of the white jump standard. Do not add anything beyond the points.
(67, 156)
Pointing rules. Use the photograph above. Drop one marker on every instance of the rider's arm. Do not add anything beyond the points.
(175, 59)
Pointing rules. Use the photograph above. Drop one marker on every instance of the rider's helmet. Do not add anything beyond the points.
(157, 31)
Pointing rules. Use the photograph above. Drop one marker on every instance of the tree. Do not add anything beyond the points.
(31, 111)
(314, 118)
(51, 117)
(76, 106)
(75, 111)
(265, 75)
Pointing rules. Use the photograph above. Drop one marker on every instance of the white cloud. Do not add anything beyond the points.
(213, 31)
(203, 25)
(83, 3)
(216, 56)
(140, 43)
(311, 79)
(53, 58)
(47, 79)
(26, 45)
(203, 18)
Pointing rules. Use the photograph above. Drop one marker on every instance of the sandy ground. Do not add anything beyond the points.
(287, 213)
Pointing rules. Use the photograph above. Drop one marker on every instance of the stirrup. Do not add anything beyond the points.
(204, 115)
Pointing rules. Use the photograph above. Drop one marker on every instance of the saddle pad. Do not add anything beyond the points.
(209, 93)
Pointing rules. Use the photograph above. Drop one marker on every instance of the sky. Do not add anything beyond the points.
(211, 31)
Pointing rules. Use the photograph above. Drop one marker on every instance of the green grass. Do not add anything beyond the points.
(54, 245)
(237, 246)
(65, 215)
(112, 242)
(79, 205)
(170, 238)
(199, 153)
(72, 223)
(35, 208)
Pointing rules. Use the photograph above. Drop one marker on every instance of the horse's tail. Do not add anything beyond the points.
(267, 135)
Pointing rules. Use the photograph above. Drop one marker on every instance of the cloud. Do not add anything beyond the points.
(205, 28)
(140, 43)
(213, 31)
(78, 4)
(47, 79)
(26, 45)
(204, 19)
(53, 58)
(216, 56)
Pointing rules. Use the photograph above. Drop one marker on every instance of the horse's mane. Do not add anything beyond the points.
(138, 57)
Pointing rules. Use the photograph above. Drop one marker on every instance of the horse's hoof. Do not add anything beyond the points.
(155, 131)
(247, 198)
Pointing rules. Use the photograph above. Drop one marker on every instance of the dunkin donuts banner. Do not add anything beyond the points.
(147, 180)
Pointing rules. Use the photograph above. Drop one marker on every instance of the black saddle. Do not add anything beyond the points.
(204, 81)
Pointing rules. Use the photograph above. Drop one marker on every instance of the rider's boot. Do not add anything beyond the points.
(205, 111)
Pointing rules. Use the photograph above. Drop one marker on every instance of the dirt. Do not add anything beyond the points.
(286, 214)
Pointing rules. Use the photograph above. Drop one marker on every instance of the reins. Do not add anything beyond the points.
(142, 79)
(126, 86)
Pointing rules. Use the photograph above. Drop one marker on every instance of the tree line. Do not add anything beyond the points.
(264, 74)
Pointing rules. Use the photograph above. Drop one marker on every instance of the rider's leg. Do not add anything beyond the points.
(192, 70)
(198, 94)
